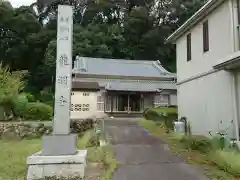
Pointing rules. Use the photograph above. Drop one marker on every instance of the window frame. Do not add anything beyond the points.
(100, 102)
(189, 47)
(205, 36)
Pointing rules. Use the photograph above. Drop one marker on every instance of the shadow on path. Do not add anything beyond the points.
(144, 157)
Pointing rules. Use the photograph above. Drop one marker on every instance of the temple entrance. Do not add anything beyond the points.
(129, 102)
(122, 102)
(135, 102)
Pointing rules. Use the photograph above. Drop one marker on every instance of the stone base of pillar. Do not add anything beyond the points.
(58, 145)
(65, 166)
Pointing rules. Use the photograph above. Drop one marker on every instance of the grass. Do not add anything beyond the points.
(227, 160)
(13, 157)
(192, 157)
(166, 109)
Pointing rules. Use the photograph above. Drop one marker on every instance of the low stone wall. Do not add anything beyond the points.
(23, 130)
(35, 129)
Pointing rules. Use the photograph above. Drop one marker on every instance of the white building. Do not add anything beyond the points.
(208, 68)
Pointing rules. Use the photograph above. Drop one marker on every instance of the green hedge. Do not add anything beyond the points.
(24, 107)
(19, 105)
(38, 111)
(79, 126)
(153, 115)
(167, 118)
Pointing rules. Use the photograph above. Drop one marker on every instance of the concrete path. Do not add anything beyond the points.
(144, 157)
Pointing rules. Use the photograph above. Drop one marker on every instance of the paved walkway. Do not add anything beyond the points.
(144, 157)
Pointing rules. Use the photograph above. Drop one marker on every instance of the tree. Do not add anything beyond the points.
(16, 27)
(11, 84)
(131, 29)
(99, 41)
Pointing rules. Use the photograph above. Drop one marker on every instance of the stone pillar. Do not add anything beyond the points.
(59, 156)
(62, 142)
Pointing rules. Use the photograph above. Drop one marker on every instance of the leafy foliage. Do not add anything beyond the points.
(38, 111)
(103, 28)
(80, 126)
(151, 114)
(19, 105)
(11, 84)
(29, 97)
(199, 143)
(166, 117)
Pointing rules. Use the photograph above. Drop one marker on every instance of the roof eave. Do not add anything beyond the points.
(198, 16)
(227, 63)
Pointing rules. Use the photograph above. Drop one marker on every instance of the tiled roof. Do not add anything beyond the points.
(131, 85)
(120, 67)
(84, 85)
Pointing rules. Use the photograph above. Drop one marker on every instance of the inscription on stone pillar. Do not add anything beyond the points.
(63, 86)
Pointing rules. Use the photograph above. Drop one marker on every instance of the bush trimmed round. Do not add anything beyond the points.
(19, 105)
(38, 111)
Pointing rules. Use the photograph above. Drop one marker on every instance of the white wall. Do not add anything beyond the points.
(173, 99)
(78, 99)
(220, 44)
(207, 101)
(148, 100)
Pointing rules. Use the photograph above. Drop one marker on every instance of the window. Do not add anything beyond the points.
(100, 102)
(205, 37)
(86, 94)
(189, 48)
(161, 100)
(80, 107)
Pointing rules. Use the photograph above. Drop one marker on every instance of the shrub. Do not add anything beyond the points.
(46, 95)
(218, 142)
(11, 84)
(50, 103)
(38, 111)
(228, 161)
(30, 97)
(199, 143)
(169, 119)
(19, 105)
(151, 114)
(80, 126)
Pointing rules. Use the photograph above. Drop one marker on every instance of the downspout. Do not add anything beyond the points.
(232, 26)
(238, 25)
(235, 105)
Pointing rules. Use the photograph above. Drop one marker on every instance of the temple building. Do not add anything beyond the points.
(119, 87)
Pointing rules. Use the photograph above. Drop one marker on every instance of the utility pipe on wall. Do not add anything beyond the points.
(235, 104)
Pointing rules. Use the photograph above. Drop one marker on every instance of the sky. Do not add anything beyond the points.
(17, 3)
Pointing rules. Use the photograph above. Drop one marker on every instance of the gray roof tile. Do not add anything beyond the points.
(131, 85)
(120, 67)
